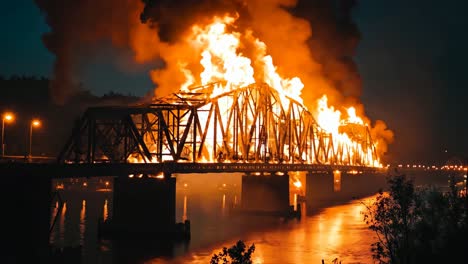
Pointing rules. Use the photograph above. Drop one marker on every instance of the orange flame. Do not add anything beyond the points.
(225, 66)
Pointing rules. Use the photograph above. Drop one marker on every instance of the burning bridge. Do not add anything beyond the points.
(255, 130)
(252, 125)
(237, 121)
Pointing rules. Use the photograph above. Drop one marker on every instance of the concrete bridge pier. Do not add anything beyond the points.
(329, 188)
(144, 207)
(265, 194)
(319, 190)
(26, 209)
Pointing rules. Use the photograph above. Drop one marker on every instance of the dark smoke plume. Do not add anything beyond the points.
(314, 40)
(76, 23)
(330, 33)
(334, 40)
(173, 17)
(76, 27)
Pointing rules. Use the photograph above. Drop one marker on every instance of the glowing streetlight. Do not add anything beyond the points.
(7, 117)
(34, 123)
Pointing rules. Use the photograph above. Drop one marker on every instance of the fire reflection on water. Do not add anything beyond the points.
(105, 211)
(295, 202)
(75, 221)
(223, 209)
(336, 232)
(82, 221)
(54, 213)
(184, 216)
(62, 223)
(223, 206)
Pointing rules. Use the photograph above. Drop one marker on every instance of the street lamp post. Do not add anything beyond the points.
(8, 118)
(34, 123)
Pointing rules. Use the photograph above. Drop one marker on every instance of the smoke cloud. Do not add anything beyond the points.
(173, 17)
(334, 41)
(314, 40)
(77, 28)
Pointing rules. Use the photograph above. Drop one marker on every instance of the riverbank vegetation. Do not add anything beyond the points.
(237, 254)
(419, 225)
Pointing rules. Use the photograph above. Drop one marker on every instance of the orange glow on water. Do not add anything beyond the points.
(82, 221)
(105, 211)
(184, 216)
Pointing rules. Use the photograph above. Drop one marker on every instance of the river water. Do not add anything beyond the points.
(336, 232)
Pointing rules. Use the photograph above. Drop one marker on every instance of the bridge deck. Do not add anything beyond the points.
(123, 169)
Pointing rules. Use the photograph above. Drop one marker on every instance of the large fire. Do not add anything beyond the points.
(297, 53)
(225, 66)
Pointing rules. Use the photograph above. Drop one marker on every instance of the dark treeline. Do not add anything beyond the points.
(420, 225)
(28, 97)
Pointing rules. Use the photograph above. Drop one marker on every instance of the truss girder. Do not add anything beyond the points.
(253, 124)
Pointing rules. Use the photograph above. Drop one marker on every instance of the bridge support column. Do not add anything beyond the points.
(361, 185)
(144, 206)
(26, 211)
(265, 194)
(319, 190)
(329, 188)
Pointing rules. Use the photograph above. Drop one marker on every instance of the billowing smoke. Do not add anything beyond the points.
(333, 44)
(78, 28)
(314, 40)
(334, 41)
(174, 17)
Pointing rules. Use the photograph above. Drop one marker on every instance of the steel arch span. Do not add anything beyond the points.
(250, 125)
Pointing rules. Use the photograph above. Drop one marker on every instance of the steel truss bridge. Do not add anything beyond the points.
(245, 128)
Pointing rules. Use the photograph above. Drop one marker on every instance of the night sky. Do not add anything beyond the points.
(412, 58)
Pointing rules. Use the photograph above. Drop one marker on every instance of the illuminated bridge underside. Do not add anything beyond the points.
(169, 168)
(255, 124)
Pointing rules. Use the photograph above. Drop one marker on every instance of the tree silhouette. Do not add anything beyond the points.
(418, 226)
(237, 254)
